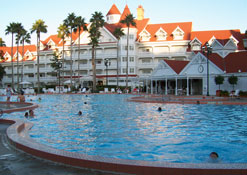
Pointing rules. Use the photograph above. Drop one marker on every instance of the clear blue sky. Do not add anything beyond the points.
(205, 15)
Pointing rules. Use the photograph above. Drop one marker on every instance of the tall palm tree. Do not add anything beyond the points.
(80, 24)
(70, 23)
(11, 30)
(97, 21)
(62, 33)
(19, 30)
(38, 27)
(2, 43)
(25, 38)
(118, 33)
(129, 21)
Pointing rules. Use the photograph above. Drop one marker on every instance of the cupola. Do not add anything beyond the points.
(113, 16)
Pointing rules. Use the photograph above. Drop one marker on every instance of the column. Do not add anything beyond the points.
(151, 84)
(191, 88)
(187, 88)
(146, 86)
(176, 89)
(156, 87)
(166, 86)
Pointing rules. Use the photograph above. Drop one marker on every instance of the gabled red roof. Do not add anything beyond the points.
(232, 63)
(222, 36)
(176, 65)
(169, 28)
(113, 11)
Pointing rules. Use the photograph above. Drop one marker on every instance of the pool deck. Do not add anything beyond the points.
(18, 136)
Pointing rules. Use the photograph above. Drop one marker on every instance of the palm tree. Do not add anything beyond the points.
(97, 21)
(80, 24)
(2, 43)
(129, 21)
(38, 27)
(70, 23)
(118, 33)
(25, 38)
(11, 30)
(19, 30)
(62, 33)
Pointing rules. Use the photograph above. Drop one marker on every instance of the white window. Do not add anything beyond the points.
(124, 59)
(131, 59)
(131, 36)
(131, 47)
(178, 34)
(146, 71)
(124, 70)
(161, 34)
(132, 70)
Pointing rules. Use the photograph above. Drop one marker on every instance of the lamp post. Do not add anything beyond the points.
(59, 66)
(207, 48)
(107, 63)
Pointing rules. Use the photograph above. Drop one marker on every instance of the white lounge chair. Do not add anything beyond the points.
(235, 94)
(83, 90)
(106, 90)
(112, 90)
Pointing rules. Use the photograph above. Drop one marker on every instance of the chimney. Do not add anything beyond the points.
(140, 13)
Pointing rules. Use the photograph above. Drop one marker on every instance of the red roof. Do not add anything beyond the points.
(232, 63)
(169, 28)
(177, 65)
(113, 11)
(125, 13)
(222, 36)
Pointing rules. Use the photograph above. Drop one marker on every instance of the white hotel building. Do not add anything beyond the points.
(165, 57)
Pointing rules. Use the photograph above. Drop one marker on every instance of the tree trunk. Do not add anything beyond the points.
(18, 80)
(71, 73)
(79, 59)
(94, 69)
(12, 63)
(127, 60)
(22, 65)
(63, 61)
(38, 47)
(117, 64)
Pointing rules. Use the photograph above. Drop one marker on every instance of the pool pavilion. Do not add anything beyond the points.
(191, 77)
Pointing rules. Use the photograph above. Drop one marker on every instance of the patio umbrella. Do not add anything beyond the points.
(68, 82)
(25, 82)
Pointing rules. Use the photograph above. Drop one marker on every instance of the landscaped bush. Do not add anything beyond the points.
(224, 93)
(243, 93)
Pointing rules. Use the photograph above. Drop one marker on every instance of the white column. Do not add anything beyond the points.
(146, 86)
(191, 88)
(151, 85)
(187, 89)
(166, 85)
(176, 89)
(156, 86)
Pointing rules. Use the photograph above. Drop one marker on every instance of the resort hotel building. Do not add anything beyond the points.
(167, 58)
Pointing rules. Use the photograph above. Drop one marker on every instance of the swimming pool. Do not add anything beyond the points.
(112, 127)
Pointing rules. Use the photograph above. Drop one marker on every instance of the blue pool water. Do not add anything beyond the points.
(112, 127)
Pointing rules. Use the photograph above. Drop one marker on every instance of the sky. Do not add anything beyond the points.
(204, 15)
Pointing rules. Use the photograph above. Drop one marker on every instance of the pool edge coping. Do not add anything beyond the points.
(18, 136)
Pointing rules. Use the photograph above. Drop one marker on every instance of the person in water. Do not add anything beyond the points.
(159, 109)
(79, 113)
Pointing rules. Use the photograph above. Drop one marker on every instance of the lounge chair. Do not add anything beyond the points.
(106, 90)
(235, 93)
(112, 90)
(83, 90)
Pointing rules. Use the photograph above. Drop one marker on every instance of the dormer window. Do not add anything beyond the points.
(195, 44)
(161, 34)
(178, 34)
(145, 35)
(234, 40)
